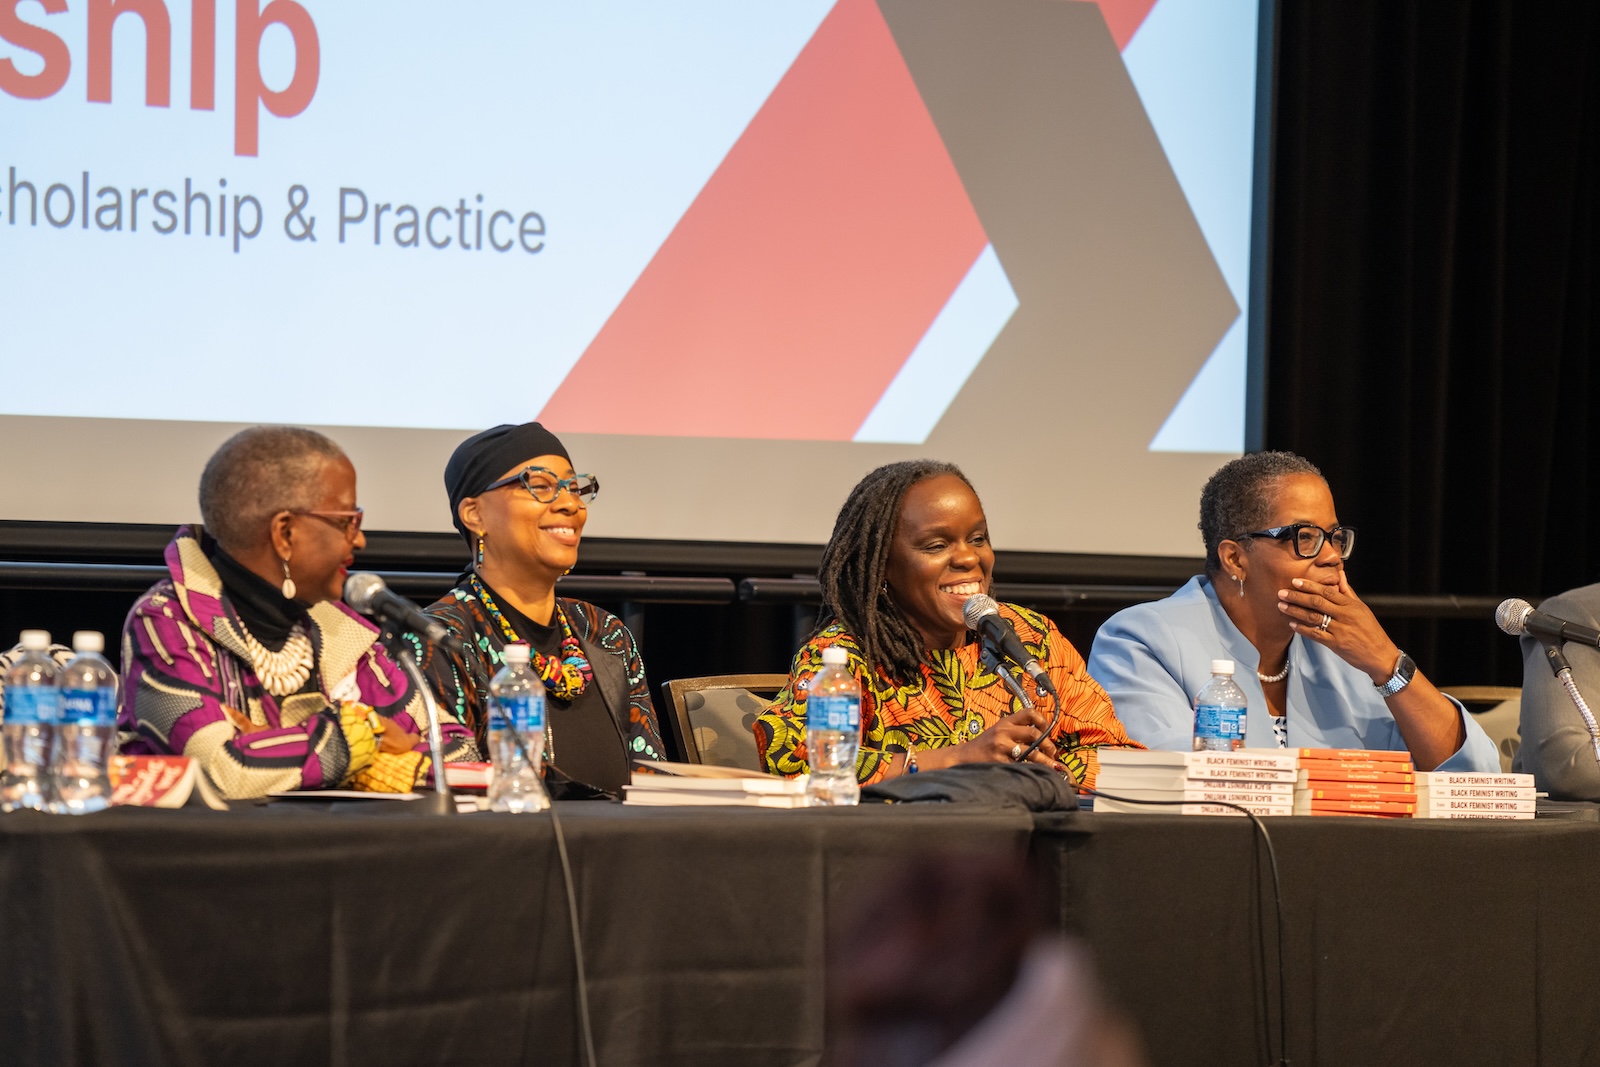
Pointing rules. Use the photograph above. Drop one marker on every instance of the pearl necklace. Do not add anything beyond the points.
(1272, 679)
(286, 670)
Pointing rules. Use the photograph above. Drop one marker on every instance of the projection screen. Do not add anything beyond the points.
(736, 253)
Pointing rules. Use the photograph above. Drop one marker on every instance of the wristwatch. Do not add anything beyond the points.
(1404, 671)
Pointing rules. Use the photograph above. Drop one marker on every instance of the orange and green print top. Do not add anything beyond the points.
(954, 700)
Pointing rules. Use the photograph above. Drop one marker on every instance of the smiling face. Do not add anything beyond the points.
(524, 536)
(324, 548)
(940, 556)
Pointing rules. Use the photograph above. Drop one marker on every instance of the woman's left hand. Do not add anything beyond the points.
(1332, 615)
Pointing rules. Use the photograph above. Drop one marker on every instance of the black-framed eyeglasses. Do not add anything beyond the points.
(349, 522)
(543, 485)
(1307, 538)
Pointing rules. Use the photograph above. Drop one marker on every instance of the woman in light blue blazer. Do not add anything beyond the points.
(1315, 665)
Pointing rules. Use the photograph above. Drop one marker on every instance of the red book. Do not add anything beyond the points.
(1358, 754)
(159, 782)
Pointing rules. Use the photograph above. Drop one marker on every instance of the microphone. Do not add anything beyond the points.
(368, 594)
(1517, 617)
(983, 614)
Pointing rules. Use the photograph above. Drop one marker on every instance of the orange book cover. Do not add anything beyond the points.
(1360, 755)
(1394, 777)
(1355, 814)
(1384, 807)
(1398, 792)
(1386, 766)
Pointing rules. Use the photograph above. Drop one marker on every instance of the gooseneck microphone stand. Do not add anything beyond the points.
(1563, 670)
(441, 801)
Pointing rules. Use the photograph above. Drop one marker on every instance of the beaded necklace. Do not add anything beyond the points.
(565, 677)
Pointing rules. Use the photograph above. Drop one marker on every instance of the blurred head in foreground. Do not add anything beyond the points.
(950, 963)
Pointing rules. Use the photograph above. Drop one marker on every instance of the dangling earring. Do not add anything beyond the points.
(288, 582)
(480, 548)
(1240, 579)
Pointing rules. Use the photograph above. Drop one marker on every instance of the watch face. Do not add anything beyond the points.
(1406, 668)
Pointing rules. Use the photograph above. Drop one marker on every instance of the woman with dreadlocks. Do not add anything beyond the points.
(910, 546)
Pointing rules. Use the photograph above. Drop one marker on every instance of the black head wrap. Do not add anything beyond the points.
(482, 458)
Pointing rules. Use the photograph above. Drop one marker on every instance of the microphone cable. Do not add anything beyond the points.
(1282, 1059)
(585, 1026)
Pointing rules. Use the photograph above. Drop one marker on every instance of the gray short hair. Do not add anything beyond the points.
(256, 474)
(1238, 497)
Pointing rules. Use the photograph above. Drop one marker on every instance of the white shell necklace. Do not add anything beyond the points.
(286, 670)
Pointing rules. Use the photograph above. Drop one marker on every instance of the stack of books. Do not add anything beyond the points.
(1197, 783)
(1346, 781)
(666, 784)
(1451, 795)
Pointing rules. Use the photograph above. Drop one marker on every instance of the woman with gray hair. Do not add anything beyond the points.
(243, 657)
(1315, 665)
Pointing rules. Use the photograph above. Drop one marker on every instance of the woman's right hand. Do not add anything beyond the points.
(996, 744)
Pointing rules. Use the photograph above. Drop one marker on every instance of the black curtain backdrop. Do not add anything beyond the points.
(1433, 301)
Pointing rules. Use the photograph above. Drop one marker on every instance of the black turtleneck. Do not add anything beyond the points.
(264, 610)
(589, 748)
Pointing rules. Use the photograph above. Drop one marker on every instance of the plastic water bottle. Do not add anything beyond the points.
(86, 736)
(516, 702)
(833, 732)
(32, 702)
(1220, 711)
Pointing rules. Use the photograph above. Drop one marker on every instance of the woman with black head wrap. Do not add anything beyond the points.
(521, 507)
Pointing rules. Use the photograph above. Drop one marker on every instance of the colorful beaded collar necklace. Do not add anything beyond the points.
(565, 677)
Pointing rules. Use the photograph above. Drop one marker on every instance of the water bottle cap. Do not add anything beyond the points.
(88, 641)
(1222, 666)
(518, 654)
(35, 640)
(834, 656)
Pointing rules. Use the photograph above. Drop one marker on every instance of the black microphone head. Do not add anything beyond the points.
(977, 606)
(1512, 615)
(360, 589)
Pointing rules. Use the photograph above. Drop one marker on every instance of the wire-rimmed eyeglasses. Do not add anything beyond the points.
(348, 522)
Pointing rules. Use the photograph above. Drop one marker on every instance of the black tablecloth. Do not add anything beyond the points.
(287, 936)
(1407, 942)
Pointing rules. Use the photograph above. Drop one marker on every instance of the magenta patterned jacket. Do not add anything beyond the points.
(184, 664)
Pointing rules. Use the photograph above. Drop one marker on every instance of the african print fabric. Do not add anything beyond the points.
(462, 683)
(190, 689)
(955, 699)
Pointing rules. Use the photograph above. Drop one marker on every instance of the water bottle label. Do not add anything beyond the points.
(33, 705)
(526, 711)
(1220, 723)
(89, 707)
(834, 713)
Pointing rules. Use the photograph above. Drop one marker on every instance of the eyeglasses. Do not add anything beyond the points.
(1307, 538)
(544, 486)
(349, 522)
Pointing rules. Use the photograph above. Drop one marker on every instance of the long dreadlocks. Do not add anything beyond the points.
(855, 568)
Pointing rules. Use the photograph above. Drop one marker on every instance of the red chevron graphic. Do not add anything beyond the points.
(805, 272)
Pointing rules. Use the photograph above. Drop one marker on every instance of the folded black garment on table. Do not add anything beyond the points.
(1018, 785)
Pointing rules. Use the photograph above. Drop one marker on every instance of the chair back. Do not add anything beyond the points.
(712, 718)
(1498, 709)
